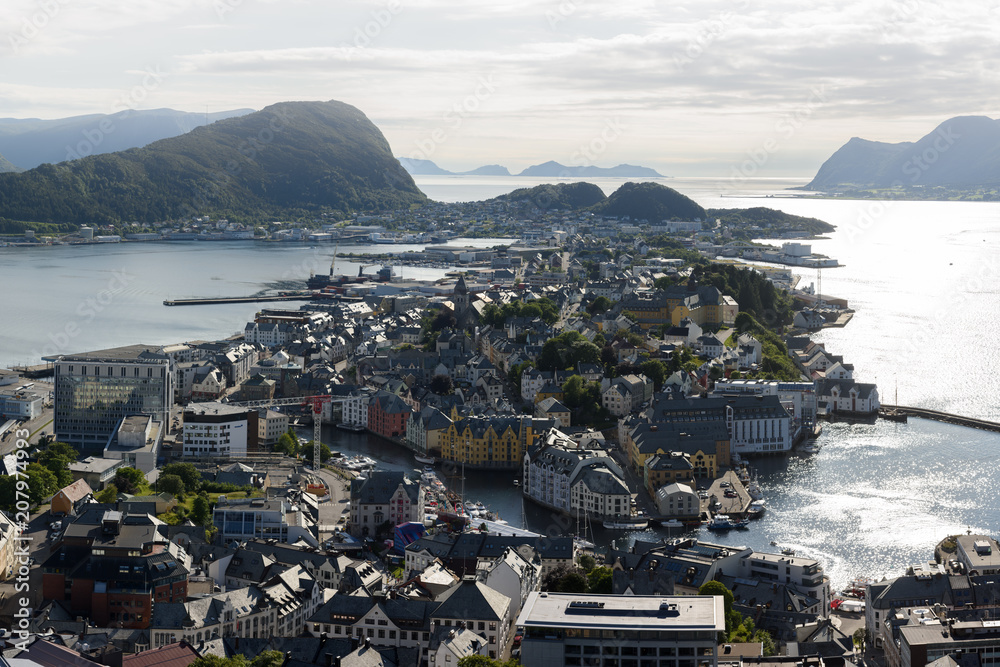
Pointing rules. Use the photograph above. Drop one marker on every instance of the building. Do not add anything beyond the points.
(217, 429)
(388, 415)
(71, 499)
(662, 469)
(978, 553)
(20, 404)
(489, 442)
(560, 475)
(702, 304)
(96, 472)
(611, 630)
(96, 390)
(421, 624)
(382, 497)
(270, 425)
(423, 431)
(805, 575)
(9, 559)
(137, 442)
(706, 445)
(260, 518)
(551, 408)
(677, 501)
(756, 424)
(111, 567)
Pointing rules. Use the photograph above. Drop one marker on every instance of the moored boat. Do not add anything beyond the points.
(634, 523)
(427, 460)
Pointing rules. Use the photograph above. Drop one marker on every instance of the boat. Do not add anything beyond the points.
(724, 522)
(428, 460)
(753, 489)
(892, 415)
(810, 448)
(634, 523)
(353, 428)
(517, 482)
(787, 552)
(672, 523)
(720, 522)
(756, 509)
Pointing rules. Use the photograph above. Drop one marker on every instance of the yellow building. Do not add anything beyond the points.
(703, 305)
(488, 442)
(706, 445)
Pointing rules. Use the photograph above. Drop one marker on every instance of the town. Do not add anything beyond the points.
(164, 504)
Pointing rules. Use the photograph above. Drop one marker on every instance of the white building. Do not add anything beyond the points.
(559, 475)
(20, 404)
(217, 429)
(566, 629)
(804, 574)
(270, 425)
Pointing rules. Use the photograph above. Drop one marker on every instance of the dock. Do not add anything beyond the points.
(945, 417)
(238, 299)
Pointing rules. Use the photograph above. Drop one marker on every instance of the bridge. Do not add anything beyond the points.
(945, 417)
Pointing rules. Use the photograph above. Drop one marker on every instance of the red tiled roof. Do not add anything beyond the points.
(181, 654)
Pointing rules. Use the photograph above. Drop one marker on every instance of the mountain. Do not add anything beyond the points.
(963, 152)
(571, 196)
(290, 159)
(650, 201)
(416, 167)
(29, 142)
(488, 170)
(6, 165)
(552, 169)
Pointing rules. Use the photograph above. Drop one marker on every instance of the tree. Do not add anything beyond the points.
(442, 385)
(599, 580)
(201, 511)
(565, 580)
(587, 562)
(108, 495)
(187, 472)
(265, 659)
(129, 480)
(656, 371)
(56, 457)
(324, 452)
(483, 661)
(288, 444)
(172, 484)
(42, 483)
(601, 304)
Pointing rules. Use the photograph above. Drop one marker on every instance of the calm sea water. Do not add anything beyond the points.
(922, 276)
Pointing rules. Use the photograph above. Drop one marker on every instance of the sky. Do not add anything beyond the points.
(708, 87)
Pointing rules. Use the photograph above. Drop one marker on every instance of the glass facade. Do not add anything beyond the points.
(91, 398)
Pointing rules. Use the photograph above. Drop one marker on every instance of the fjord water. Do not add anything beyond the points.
(922, 276)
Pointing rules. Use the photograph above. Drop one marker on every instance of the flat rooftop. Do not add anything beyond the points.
(690, 613)
(124, 353)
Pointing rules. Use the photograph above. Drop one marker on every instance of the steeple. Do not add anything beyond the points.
(461, 296)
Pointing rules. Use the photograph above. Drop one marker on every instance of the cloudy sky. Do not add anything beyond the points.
(690, 88)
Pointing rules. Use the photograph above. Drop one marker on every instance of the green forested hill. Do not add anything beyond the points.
(289, 159)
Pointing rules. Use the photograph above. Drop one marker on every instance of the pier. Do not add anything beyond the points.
(238, 299)
(945, 417)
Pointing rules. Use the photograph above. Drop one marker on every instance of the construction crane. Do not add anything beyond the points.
(314, 402)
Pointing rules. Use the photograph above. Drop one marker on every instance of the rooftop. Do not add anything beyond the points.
(613, 612)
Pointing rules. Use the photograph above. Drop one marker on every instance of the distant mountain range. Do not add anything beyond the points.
(290, 159)
(961, 153)
(545, 170)
(29, 142)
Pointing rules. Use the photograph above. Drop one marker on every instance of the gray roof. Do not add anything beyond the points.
(379, 487)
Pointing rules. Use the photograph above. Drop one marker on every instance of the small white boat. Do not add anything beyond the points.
(810, 448)
(517, 482)
(672, 523)
(427, 460)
